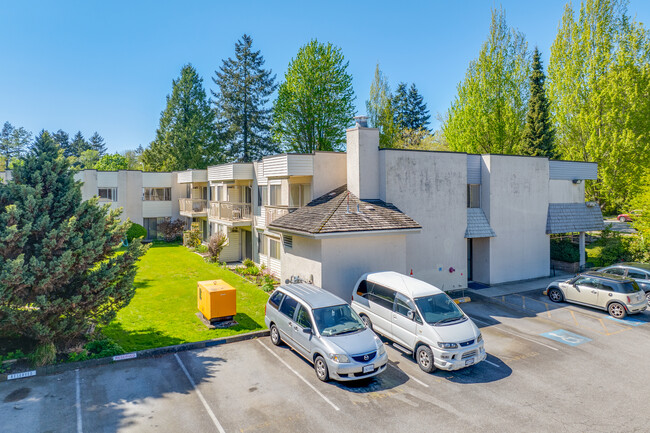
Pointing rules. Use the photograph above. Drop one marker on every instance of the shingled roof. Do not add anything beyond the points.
(573, 217)
(336, 212)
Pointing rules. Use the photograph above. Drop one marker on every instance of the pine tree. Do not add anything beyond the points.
(243, 118)
(538, 134)
(96, 142)
(401, 106)
(315, 101)
(186, 135)
(410, 111)
(79, 144)
(13, 142)
(58, 271)
(63, 140)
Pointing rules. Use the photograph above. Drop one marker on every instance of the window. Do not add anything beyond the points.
(276, 298)
(403, 305)
(473, 195)
(635, 274)
(615, 271)
(261, 243)
(288, 306)
(262, 196)
(274, 248)
(107, 193)
(151, 225)
(381, 295)
(302, 318)
(156, 194)
(299, 194)
(275, 196)
(362, 290)
(287, 241)
(584, 281)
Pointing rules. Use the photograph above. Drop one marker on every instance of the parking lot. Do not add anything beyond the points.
(550, 367)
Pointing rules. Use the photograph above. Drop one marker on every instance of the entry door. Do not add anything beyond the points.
(469, 261)
(247, 238)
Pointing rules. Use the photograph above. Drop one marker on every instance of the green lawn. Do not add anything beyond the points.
(162, 312)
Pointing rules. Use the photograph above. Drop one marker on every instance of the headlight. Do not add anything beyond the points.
(448, 345)
(480, 338)
(381, 349)
(339, 358)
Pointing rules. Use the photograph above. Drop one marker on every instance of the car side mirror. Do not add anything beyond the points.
(410, 314)
(306, 330)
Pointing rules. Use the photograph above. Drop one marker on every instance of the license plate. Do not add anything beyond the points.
(469, 361)
(368, 368)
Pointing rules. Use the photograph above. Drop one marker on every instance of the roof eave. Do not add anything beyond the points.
(347, 233)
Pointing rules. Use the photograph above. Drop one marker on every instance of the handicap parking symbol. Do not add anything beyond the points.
(566, 337)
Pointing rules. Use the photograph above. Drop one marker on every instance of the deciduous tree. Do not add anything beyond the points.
(379, 108)
(315, 101)
(112, 163)
(488, 114)
(13, 142)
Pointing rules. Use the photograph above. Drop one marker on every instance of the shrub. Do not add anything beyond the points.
(251, 270)
(215, 246)
(193, 238)
(136, 231)
(202, 249)
(43, 354)
(249, 263)
(171, 229)
(96, 349)
(564, 250)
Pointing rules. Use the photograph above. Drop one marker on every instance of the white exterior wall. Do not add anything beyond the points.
(430, 187)
(363, 162)
(515, 200)
(345, 259)
(303, 259)
(330, 172)
(565, 191)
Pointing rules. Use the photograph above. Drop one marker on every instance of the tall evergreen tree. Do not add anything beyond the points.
(243, 118)
(315, 101)
(379, 107)
(489, 113)
(63, 140)
(58, 270)
(538, 134)
(13, 142)
(96, 142)
(186, 136)
(79, 144)
(599, 88)
(401, 106)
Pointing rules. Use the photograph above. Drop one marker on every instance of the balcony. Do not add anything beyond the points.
(193, 207)
(231, 212)
(275, 212)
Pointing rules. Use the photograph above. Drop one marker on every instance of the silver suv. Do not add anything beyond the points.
(322, 328)
(639, 272)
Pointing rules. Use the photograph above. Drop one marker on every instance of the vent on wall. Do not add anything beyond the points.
(287, 241)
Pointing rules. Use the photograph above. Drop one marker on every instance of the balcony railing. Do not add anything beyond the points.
(229, 211)
(193, 206)
(275, 212)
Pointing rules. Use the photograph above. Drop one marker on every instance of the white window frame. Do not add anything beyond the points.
(111, 191)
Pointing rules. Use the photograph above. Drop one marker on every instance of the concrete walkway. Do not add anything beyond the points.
(517, 286)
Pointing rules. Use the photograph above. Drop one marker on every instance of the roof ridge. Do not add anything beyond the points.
(333, 211)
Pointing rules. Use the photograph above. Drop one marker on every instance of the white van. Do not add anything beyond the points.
(419, 317)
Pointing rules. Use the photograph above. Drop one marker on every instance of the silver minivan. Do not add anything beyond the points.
(323, 328)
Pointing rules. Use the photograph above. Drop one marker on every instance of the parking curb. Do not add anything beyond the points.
(147, 353)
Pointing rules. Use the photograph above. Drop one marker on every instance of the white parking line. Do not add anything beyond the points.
(492, 363)
(410, 377)
(78, 402)
(515, 334)
(198, 392)
(299, 375)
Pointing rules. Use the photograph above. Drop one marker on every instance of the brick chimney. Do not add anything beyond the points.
(363, 159)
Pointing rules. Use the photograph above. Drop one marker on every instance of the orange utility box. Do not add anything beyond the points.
(217, 300)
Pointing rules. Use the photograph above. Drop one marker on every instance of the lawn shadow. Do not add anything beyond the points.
(246, 323)
(139, 339)
(142, 283)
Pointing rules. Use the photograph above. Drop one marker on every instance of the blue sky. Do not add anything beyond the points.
(107, 66)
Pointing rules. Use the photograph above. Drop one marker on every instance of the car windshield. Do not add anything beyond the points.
(630, 287)
(337, 320)
(439, 309)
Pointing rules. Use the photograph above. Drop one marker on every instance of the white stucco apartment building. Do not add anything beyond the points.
(448, 218)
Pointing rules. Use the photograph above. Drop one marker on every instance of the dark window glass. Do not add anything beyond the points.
(276, 298)
(584, 281)
(303, 318)
(362, 290)
(288, 306)
(630, 287)
(635, 274)
(606, 287)
(615, 271)
(381, 295)
(403, 305)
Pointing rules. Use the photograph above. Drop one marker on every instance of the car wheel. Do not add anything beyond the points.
(647, 296)
(621, 219)
(555, 295)
(321, 369)
(366, 320)
(424, 357)
(617, 310)
(275, 335)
